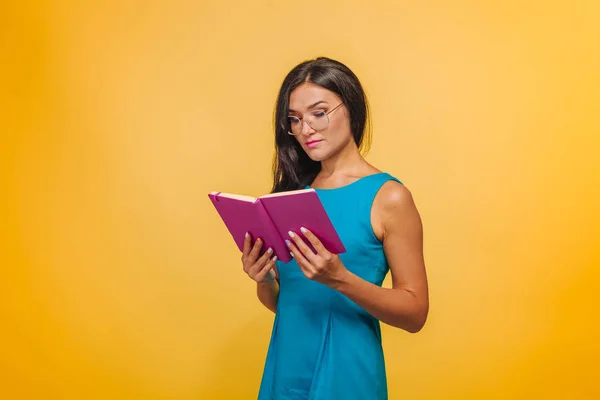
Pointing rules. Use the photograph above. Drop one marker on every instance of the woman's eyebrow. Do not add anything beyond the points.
(312, 105)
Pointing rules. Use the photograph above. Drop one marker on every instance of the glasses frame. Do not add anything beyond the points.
(302, 121)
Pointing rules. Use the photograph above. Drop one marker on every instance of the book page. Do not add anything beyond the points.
(288, 193)
(240, 197)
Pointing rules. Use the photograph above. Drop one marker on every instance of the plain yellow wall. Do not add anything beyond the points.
(118, 117)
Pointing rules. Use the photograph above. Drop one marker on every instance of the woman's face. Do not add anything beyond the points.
(310, 100)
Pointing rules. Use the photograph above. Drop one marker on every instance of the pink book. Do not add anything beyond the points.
(272, 216)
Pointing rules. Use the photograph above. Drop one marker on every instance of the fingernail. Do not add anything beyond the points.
(275, 258)
(291, 234)
(303, 229)
(270, 251)
(292, 254)
(287, 242)
(246, 235)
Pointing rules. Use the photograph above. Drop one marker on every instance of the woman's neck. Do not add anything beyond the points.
(348, 162)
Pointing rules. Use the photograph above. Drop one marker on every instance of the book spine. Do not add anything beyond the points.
(279, 246)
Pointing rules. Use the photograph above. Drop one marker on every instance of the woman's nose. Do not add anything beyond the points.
(307, 129)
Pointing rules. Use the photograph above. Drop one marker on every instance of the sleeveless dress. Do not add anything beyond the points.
(324, 346)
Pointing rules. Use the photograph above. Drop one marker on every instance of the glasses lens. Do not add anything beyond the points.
(317, 120)
(294, 125)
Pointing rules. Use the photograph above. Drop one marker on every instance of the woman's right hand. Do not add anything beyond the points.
(261, 269)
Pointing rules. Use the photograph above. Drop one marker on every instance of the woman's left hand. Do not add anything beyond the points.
(324, 267)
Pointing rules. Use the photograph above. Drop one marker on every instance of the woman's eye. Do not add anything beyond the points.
(293, 120)
(319, 114)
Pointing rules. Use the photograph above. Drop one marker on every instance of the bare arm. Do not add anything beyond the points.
(406, 304)
(263, 271)
(268, 292)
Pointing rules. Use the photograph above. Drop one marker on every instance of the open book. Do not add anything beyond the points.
(272, 216)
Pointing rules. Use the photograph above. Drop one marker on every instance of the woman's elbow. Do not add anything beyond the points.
(418, 319)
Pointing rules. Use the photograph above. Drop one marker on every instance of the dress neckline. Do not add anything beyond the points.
(347, 185)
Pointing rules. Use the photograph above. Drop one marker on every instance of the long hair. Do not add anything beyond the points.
(292, 167)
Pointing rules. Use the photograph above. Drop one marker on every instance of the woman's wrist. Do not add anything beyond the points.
(269, 279)
(343, 279)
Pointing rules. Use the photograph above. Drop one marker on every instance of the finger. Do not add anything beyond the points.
(246, 251)
(306, 251)
(255, 250)
(305, 265)
(267, 269)
(257, 266)
(247, 244)
(316, 243)
(275, 270)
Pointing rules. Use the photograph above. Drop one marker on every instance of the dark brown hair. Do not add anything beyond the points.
(292, 167)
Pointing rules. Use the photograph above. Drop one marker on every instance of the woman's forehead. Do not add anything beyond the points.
(308, 94)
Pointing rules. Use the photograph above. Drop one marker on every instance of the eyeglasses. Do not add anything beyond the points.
(317, 120)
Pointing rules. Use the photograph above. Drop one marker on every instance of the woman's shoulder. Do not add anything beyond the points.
(392, 206)
(393, 194)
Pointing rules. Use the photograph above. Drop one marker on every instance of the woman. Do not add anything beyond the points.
(326, 340)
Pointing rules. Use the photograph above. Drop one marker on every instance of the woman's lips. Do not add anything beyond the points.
(313, 143)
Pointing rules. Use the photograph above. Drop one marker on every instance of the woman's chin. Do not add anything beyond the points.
(317, 154)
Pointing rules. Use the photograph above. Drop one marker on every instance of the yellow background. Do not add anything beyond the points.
(118, 117)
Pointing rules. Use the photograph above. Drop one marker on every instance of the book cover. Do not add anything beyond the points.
(272, 216)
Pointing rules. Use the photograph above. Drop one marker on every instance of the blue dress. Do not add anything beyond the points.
(324, 346)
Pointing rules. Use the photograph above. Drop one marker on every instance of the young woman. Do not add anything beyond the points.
(326, 339)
